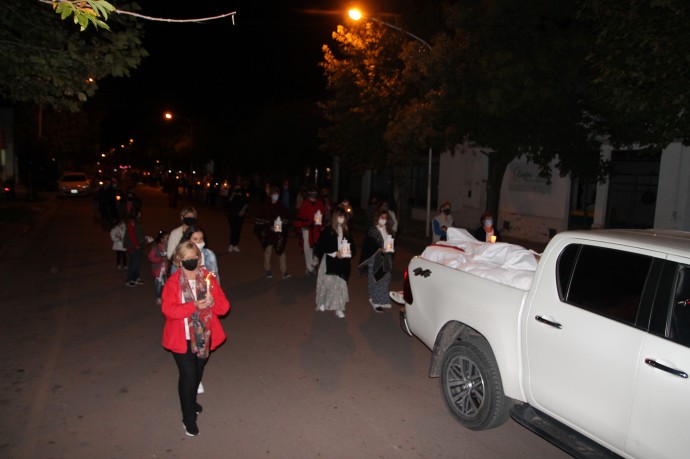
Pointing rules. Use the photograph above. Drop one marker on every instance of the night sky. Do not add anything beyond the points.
(216, 69)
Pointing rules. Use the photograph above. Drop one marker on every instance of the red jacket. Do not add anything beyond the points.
(305, 219)
(174, 311)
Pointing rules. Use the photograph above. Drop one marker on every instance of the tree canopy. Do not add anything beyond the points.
(47, 61)
(541, 79)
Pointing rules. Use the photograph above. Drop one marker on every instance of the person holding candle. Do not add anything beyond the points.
(193, 302)
(208, 258)
(441, 223)
(309, 222)
(271, 228)
(377, 260)
(335, 248)
(487, 232)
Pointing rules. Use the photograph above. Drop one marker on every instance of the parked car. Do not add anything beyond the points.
(74, 184)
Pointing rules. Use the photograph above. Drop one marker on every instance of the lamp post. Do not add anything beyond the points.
(356, 14)
(169, 116)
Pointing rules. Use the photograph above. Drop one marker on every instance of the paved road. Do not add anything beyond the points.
(84, 374)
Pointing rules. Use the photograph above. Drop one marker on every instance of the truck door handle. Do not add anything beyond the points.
(660, 366)
(422, 272)
(548, 322)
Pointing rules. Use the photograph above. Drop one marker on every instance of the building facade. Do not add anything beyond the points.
(642, 192)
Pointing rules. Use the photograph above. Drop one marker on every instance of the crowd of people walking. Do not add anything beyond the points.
(187, 281)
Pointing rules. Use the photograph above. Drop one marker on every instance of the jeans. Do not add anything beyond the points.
(134, 267)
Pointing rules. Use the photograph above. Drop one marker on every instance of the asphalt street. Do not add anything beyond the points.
(85, 376)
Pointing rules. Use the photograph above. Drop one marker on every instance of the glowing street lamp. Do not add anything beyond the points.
(356, 14)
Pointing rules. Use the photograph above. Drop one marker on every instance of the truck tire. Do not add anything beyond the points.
(471, 386)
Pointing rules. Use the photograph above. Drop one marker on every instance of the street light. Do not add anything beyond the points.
(356, 14)
(169, 116)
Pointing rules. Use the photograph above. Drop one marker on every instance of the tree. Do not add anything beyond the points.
(47, 62)
(509, 79)
(640, 64)
(372, 103)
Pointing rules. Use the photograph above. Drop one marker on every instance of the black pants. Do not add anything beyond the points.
(134, 267)
(121, 258)
(235, 229)
(191, 370)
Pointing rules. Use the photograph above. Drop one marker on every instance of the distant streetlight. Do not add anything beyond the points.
(169, 117)
(355, 14)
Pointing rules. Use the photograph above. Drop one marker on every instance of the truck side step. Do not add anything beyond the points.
(560, 435)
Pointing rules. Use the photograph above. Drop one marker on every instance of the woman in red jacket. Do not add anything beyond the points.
(192, 302)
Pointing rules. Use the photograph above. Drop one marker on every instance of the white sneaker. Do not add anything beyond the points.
(236, 249)
(321, 308)
(397, 297)
(230, 247)
(340, 314)
(200, 389)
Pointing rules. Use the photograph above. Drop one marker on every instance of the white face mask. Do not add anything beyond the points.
(200, 245)
(382, 222)
(488, 222)
(274, 198)
(341, 220)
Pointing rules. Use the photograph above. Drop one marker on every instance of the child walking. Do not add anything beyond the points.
(117, 235)
(159, 262)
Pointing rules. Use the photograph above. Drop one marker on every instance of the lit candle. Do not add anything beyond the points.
(493, 239)
(389, 243)
(207, 279)
(345, 249)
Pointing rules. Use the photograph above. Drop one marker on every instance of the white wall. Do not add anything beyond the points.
(673, 194)
(462, 181)
(534, 208)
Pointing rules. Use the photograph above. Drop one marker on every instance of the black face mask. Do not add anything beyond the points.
(189, 221)
(446, 211)
(190, 265)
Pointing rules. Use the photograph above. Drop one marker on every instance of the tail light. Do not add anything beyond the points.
(407, 291)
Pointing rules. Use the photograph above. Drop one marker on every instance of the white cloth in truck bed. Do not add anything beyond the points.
(509, 264)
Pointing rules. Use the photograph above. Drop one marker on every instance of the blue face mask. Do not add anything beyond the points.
(446, 211)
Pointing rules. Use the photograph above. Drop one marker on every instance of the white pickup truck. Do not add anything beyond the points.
(587, 344)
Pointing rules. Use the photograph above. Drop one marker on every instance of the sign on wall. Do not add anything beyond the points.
(525, 177)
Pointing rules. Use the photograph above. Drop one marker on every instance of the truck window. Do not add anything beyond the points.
(566, 263)
(608, 282)
(680, 317)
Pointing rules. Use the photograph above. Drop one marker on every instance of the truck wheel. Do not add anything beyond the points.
(471, 386)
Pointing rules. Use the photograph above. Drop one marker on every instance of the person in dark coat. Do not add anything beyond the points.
(238, 204)
(377, 260)
(335, 249)
(272, 230)
(485, 232)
